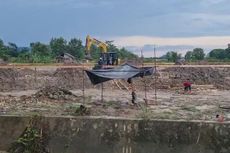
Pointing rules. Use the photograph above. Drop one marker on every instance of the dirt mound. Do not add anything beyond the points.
(71, 78)
(56, 93)
(199, 75)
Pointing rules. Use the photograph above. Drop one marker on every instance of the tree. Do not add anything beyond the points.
(125, 54)
(95, 52)
(227, 53)
(188, 56)
(217, 54)
(198, 54)
(172, 56)
(58, 46)
(76, 48)
(40, 49)
(13, 49)
(111, 46)
(4, 51)
(40, 52)
(24, 55)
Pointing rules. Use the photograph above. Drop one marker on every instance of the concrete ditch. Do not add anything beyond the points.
(120, 135)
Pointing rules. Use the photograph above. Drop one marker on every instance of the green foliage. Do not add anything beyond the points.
(40, 49)
(125, 54)
(195, 55)
(95, 52)
(227, 53)
(4, 51)
(40, 53)
(58, 46)
(13, 49)
(173, 56)
(33, 139)
(41, 59)
(217, 54)
(188, 56)
(121, 53)
(111, 46)
(76, 48)
(24, 56)
(198, 54)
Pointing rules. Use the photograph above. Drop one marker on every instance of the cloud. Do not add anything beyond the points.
(212, 2)
(163, 45)
(148, 50)
(152, 19)
(57, 3)
(193, 41)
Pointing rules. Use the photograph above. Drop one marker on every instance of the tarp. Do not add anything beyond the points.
(124, 71)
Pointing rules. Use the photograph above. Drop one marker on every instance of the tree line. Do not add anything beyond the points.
(38, 52)
(198, 54)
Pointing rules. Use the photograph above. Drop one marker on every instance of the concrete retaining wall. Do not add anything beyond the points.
(113, 135)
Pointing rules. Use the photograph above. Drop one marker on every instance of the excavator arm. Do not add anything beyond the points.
(106, 58)
(92, 41)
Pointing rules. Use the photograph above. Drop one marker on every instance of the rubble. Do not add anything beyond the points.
(56, 93)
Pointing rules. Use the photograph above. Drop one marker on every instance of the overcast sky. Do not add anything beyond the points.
(130, 23)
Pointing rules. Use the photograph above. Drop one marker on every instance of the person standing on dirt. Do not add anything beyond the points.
(133, 93)
(187, 86)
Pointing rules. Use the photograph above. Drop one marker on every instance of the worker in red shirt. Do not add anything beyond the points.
(187, 86)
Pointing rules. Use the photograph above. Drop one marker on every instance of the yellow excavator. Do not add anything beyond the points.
(106, 57)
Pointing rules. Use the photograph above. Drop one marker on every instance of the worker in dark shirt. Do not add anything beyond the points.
(187, 86)
(133, 93)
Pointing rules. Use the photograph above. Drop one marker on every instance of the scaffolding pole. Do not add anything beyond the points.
(155, 75)
(102, 92)
(83, 82)
(142, 64)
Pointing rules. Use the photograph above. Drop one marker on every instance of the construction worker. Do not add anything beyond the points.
(220, 118)
(187, 86)
(133, 93)
(100, 62)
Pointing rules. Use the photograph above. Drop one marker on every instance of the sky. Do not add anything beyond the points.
(135, 24)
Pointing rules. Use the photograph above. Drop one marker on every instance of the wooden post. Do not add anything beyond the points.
(35, 77)
(83, 83)
(102, 90)
(142, 65)
(155, 75)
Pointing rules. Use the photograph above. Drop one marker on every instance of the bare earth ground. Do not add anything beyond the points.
(22, 93)
(202, 104)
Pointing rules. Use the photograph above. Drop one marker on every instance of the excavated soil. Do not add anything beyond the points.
(218, 77)
(58, 91)
(72, 78)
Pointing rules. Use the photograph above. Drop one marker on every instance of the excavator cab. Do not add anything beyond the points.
(106, 58)
(109, 58)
